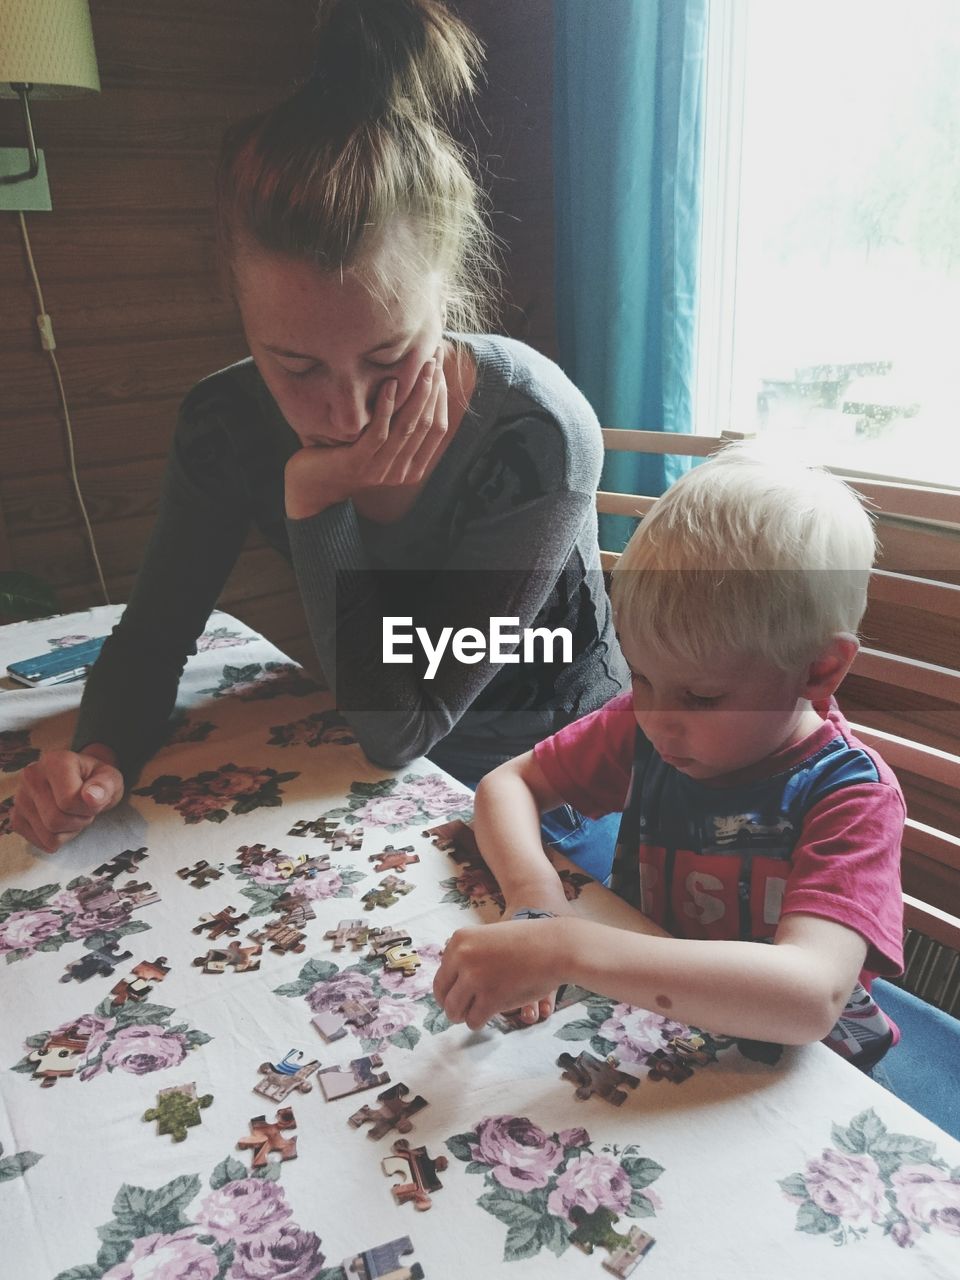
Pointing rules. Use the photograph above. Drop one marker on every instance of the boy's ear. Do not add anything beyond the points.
(830, 666)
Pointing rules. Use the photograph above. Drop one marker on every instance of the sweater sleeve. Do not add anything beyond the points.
(201, 525)
(512, 540)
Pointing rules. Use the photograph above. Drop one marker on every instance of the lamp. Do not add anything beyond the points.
(46, 51)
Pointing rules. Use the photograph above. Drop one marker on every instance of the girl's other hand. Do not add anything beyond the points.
(63, 792)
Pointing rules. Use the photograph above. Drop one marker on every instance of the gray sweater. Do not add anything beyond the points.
(505, 526)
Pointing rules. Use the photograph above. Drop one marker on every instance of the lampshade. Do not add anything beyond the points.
(47, 44)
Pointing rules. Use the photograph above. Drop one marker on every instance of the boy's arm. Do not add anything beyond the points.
(506, 822)
(791, 992)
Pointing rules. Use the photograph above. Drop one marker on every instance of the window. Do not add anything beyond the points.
(830, 269)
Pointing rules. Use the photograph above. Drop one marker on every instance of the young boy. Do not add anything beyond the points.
(750, 812)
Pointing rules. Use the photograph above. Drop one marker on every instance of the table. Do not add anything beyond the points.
(736, 1167)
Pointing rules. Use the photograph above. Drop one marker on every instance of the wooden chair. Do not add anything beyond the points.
(902, 695)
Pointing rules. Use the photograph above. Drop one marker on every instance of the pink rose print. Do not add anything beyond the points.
(84, 923)
(23, 930)
(848, 1186)
(167, 1257)
(637, 1033)
(435, 795)
(325, 884)
(63, 642)
(247, 1208)
(291, 1254)
(573, 1138)
(219, 638)
(926, 1195)
(521, 1156)
(233, 781)
(478, 884)
(91, 1028)
(327, 996)
(420, 982)
(141, 1050)
(591, 1182)
(386, 811)
(392, 1016)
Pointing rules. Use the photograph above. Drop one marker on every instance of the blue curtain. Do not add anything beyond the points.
(628, 106)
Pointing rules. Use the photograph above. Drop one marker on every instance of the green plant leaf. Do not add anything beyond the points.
(581, 1029)
(228, 1170)
(460, 1144)
(794, 1186)
(813, 1220)
(89, 1271)
(408, 1038)
(25, 899)
(142, 1212)
(15, 1166)
(640, 1170)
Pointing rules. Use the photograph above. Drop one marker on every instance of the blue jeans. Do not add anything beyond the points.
(589, 842)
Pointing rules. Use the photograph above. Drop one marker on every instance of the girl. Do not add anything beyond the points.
(404, 464)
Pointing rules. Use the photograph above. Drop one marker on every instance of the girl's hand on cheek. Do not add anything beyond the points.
(395, 448)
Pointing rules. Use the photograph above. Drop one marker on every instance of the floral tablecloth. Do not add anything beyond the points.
(733, 1164)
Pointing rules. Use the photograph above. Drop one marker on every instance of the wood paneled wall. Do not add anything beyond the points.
(126, 264)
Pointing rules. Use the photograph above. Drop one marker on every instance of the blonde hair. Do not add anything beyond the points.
(327, 175)
(747, 555)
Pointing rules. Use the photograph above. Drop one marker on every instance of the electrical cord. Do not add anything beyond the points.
(48, 342)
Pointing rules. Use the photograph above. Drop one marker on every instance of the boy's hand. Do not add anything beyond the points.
(487, 970)
(61, 794)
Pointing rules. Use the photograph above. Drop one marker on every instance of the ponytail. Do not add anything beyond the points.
(362, 142)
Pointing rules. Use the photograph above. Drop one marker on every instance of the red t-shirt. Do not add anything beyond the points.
(813, 829)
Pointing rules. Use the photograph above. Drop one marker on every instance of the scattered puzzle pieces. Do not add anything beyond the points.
(282, 938)
(281, 1078)
(386, 893)
(124, 863)
(357, 1075)
(100, 963)
(267, 1138)
(353, 931)
(391, 859)
(223, 922)
(201, 873)
(137, 984)
(393, 1112)
(139, 895)
(100, 897)
(255, 855)
(177, 1110)
(383, 1262)
(381, 940)
(420, 1171)
(400, 959)
(58, 1057)
(456, 839)
(332, 1024)
(296, 911)
(328, 829)
(240, 959)
(596, 1228)
(596, 1076)
(567, 995)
